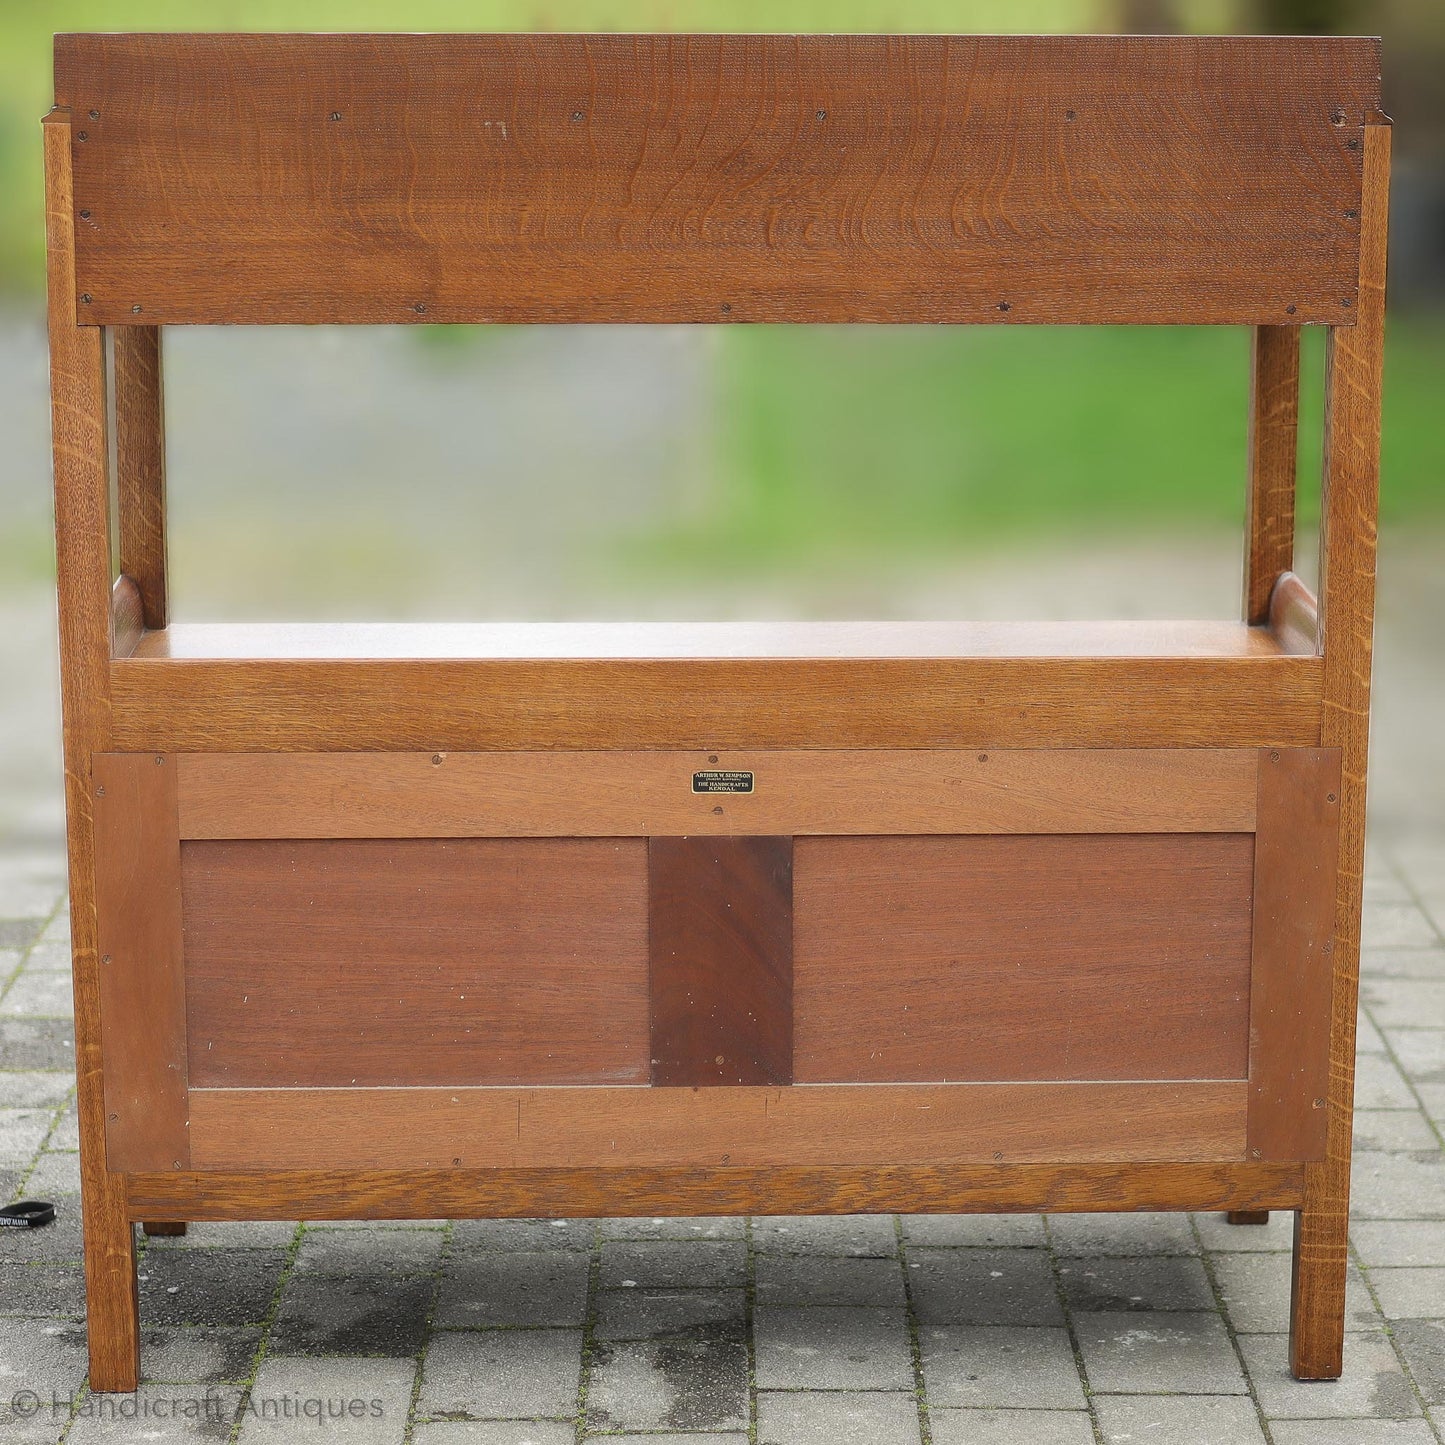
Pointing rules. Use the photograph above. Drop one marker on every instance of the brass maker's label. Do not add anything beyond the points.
(721, 780)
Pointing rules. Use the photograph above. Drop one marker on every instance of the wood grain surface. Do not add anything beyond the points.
(470, 961)
(799, 1125)
(142, 977)
(83, 583)
(1295, 859)
(459, 1193)
(140, 467)
(643, 794)
(987, 702)
(1273, 434)
(720, 941)
(385, 178)
(1117, 957)
(1354, 365)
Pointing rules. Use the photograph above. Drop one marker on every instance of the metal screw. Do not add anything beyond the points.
(1350, 215)
(712, 757)
(1004, 306)
(419, 308)
(1071, 115)
(1337, 118)
(997, 1154)
(100, 792)
(718, 1060)
(717, 811)
(85, 296)
(105, 958)
(160, 761)
(457, 1160)
(1254, 1154)
(1350, 145)
(177, 1163)
(1344, 300)
(112, 1117)
(576, 116)
(1274, 757)
(85, 215)
(1290, 309)
(81, 135)
(335, 115)
(136, 308)
(727, 306)
(820, 115)
(436, 759)
(983, 757)
(1319, 1103)
(1328, 946)
(94, 114)
(1329, 797)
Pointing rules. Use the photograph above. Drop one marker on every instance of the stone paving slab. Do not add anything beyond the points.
(921, 1330)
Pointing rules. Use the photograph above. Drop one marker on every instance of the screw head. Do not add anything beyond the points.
(1004, 306)
(820, 115)
(420, 308)
(576, 116)
(1290, 309)
(85, 297)
(712, 757)
(727, 306)
(93, 114)
(436, 760)
(1319, 1103)
(335, 115)
(85, 215)
(135, 310)
(82, 135)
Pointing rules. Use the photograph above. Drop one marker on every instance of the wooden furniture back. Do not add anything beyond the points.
(533, 178)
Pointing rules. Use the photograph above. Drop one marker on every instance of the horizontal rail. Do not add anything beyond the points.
(459, 1193)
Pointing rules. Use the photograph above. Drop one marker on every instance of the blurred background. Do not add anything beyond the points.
(722, 472)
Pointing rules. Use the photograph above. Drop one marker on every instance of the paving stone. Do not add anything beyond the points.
(10, 1184)
(531, 1288)
(719, 1227)
(47, 1358)
(27, 901)
(22, 1132)
(226, 1234)
(9, 960)
(999, 1367)
(1397, 925)
(42, 1291)
(516, 1432)
(359, 1402)
(1405, 1002)
(362, 1315)
(469, 1234)
(640, 1314)
(54, 1174)
(1432, 1097)
(983, 1287)
(55, 1243)
(809, 1417)
(694, 1380)
(1414, 1242)
(1373, 1383)
(1178, 1420)
(672, 1264)
(371, 1251)
(189, 1357)
(1403, 963)
(1147, 1283)
(1394, 1131)
(1162, 1353)
(1368, 1039)
(1398, 1186)
(856, 1234)
(1351, 1432)
(1122, 1234)
(208, 1287)
(812, 1279)
(1379, 1084)
(832, 1349)
(37, 1043)
(38, 995)
(1219, 1236)
(157, 1415)
(988, 1231)
(66, 1133)
(1010, 1427)
(34, 1088)
(1421, 1053)
(1422, 1345)
(1410, 1294)
(502, 1374)
(1256, 1292)
(52, 953)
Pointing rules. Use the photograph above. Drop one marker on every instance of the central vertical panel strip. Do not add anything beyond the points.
(721, 958)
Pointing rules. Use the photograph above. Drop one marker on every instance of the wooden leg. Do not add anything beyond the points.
(1234, 1216)
(168, 1228)
(112, 1305)
(1317, 1305)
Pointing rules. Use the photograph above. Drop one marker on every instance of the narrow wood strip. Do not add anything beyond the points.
(1294, 616)
(1349, 510)
(1273, 428)
(83, 582)
(1290, 982)
(799, 1125)
(127, 616)
(141, 466)
(720, 943)
(978, 702)
(142, 975)
(562, 1193)
(648, 794)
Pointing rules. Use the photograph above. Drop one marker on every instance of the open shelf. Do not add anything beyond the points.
(740, 641)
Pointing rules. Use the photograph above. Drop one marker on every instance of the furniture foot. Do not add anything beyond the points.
(1317, 1305)
(174, 1228)
(112, 1303)
(1234, 1216)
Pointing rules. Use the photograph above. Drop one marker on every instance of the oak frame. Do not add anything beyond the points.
(1303, 685)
